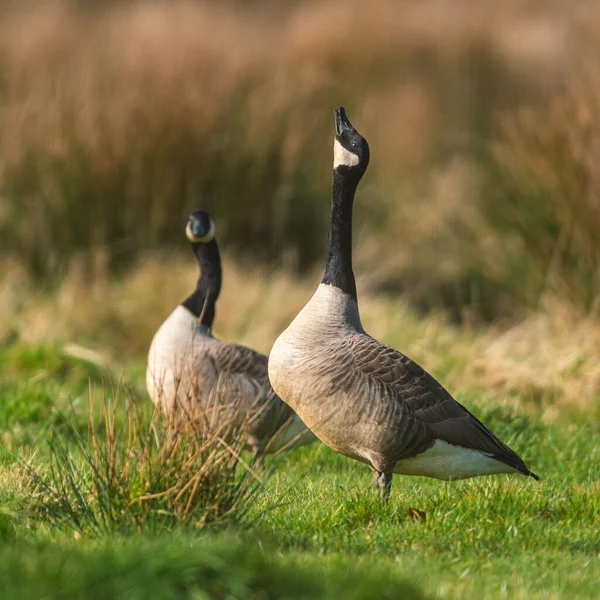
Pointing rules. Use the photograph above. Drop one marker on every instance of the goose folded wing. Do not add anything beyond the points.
(429, 401)
(240, 360)
(244, 373)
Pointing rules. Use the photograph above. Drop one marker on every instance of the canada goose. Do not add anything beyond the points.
(361, 398)
(187, 362)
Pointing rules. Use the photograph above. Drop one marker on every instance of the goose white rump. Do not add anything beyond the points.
(445, 461)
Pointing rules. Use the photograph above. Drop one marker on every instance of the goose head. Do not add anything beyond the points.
(200, 228)
(350, 149)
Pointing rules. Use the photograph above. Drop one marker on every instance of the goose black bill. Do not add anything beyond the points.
(341, 121)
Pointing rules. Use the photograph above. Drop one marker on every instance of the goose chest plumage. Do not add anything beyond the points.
(189, 366)
(362, 398)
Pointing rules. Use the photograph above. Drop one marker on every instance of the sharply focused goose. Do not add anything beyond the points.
(186, 362)
(361, 398)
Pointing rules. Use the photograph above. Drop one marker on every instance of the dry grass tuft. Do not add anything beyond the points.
(134, 471)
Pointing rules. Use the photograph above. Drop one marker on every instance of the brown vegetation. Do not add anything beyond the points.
(117, 120)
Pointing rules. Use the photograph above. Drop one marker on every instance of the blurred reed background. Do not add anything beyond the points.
(117, 118)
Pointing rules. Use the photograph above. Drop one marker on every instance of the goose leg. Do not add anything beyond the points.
(383, 481)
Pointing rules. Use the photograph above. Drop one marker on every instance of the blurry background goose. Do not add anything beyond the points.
(220, 381)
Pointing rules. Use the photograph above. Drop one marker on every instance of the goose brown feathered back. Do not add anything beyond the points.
(189, 366)
(360, 397)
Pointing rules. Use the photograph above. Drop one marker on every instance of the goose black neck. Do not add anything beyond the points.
(202, 302)
(338, 267)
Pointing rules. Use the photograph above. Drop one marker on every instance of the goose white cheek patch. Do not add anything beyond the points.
(341, 156)
(202, 239)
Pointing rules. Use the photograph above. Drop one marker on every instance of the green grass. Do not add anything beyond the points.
(181, 567)
(316, 528)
